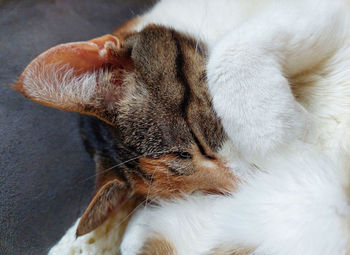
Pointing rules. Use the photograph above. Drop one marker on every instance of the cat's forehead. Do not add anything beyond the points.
(168, 105)
(167, 61)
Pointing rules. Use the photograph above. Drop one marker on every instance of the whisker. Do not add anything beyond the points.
(132, 212)
(167, 176)
(108, 169)
(122, 163)
(149, 187)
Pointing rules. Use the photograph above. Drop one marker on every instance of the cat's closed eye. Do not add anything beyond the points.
(185, 155)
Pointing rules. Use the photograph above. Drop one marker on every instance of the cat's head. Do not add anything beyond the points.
(151, 89)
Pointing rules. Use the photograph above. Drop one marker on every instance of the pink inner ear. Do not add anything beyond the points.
(80, 56)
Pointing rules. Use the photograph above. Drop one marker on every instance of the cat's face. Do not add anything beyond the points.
(151, 90)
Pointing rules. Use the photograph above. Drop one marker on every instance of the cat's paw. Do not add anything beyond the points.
(254, 101)
(136, 235)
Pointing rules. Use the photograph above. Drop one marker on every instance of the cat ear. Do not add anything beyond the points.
(110, 197)
(80, 77)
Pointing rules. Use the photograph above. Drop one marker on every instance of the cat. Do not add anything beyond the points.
(278, 78)
(247, 97)
(158, 141)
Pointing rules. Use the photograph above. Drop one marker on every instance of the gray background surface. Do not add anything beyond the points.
(44, 170)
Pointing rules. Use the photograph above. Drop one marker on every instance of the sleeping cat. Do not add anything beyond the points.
(215, 96)
(161, 135)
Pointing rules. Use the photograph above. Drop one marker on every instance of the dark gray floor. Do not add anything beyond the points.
(44, 170)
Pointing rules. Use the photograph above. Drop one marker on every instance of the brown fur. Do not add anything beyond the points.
(157, 245)
(214, 179)
(229, 250)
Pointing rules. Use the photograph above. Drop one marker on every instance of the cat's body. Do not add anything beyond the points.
(259, 53)
(278, 77)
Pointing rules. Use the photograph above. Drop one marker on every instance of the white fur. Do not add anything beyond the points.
(296, 201)
(247, 70)
(296, 205)
(57, 85)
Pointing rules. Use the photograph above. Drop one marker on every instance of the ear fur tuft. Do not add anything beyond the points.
(76, 76)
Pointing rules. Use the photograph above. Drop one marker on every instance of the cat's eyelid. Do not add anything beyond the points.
(185, 155)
